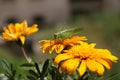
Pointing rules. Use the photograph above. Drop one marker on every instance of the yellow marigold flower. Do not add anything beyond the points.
(83, 57)
(18, 31)
(58, 45)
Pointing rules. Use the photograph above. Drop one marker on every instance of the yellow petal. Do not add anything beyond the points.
(45, 48)
(59, 48)
(90, 65)
(105, 63)
(22, 39)
(106, 54)
(6, 30)
(83, 67)
(71, 65)
(61, 57)
(51, 48)
(24, 23)
(99, 68)
(63, 66)
(66, 65)
(17, 27)
(8, 36)
(11, 28)
(113, 58)
(31, 30)
(48, 45)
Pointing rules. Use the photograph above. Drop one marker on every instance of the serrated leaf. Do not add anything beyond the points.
(33, 73)
(13, 71)
(45, 67)
(38, 69)
(67, 33)
(10, 73)
(27, 65)
(6, 67)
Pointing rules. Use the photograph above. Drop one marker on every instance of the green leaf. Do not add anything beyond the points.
(45, 68)
(27, 65)
(67, 33)
(6, 67)
(13, 71)
(38, 69)
(33, 73)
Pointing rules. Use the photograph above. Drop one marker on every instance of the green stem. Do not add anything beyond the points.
(29, 60)
(56, 73)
